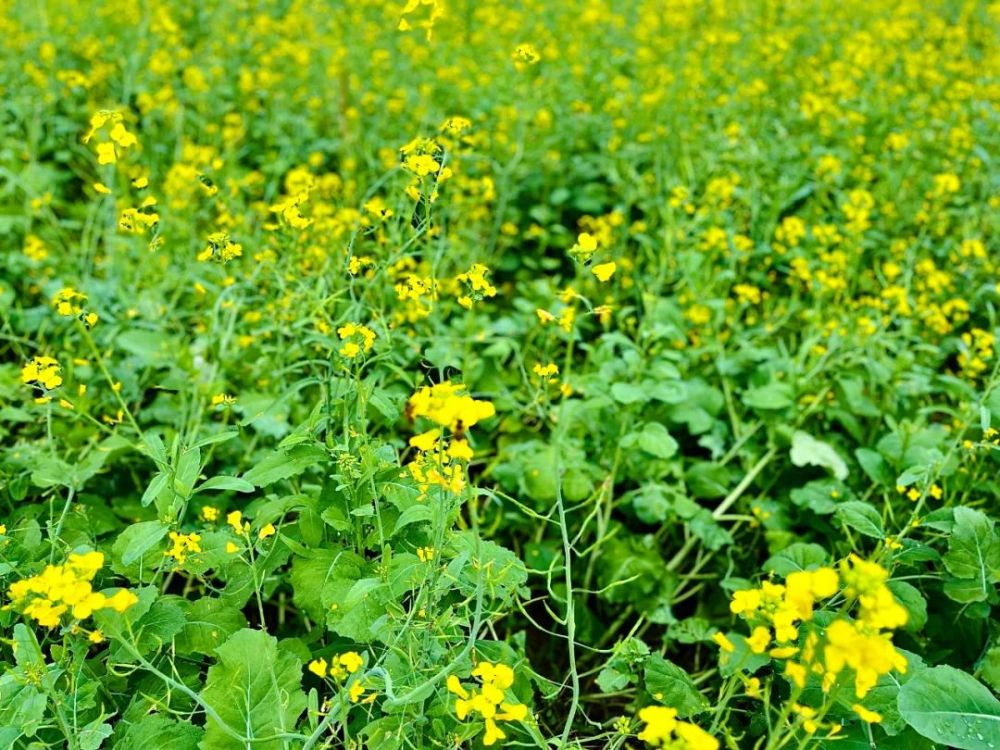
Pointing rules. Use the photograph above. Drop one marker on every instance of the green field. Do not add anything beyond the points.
(566, 374)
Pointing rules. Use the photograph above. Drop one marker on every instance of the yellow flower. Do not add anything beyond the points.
(235, 519)
(318, 667)
(723, 642)
(870, 717)
(446, 404)
(106, 153)
(604, 271)
(759, 640)
(695, 737)
(425, 441)
(266, 531)
(122, 600)
(745, 602)
(660, 724)
(42, 371)
(585, 247)
(351, 661)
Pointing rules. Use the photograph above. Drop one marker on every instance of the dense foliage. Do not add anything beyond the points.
(460, 373)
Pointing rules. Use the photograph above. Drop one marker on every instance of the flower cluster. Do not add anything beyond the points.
(447, 405)
(220, 247)
(42, 372)
(183, 545)
(489, 700)
(860, 646)
(339, 669)
(476, 286)
(69, 303)
(64, 588)
(664, 730)
(357, 339)
(115, 139)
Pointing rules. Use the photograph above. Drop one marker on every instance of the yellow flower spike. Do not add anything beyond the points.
(86, 564)
(796, 673)
(460, 450)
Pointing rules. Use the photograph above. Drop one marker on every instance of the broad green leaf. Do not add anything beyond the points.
(973, 554)
(874, 466)
(672, 686)
(284, 464)
(160, 731)
(953, 708)
(808, 451)
(655, 439)
(255, 688)
(861, 517)
(628, 393)
(208, 623)
(138, 539)
(795, 557)
(914, 602)
(770, 397)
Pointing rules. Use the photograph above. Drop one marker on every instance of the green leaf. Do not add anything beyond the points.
(627, 393)
(22, 705)
(138, 539)
(973, 554)
(952, 708)
(707, 480)
(861, 517)
(255, 688)
(235, 484)
(186, 473)
(160, 731)
(655, 439)
(284, 464)
(672, 686)
(156, 486)
(92, 736)
(770, 397)
(209, 622)
(795, 557)
(808, 451)
(874, 466)
(914, 602)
